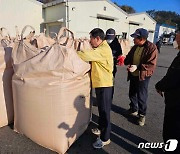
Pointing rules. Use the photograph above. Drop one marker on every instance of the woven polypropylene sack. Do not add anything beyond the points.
(125, 45)
(82, 44)
(6, 72)
(57, 60)
(43, 41)
(51, 91)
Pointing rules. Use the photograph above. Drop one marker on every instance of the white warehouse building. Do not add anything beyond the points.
(80, 16)
(142, 20)
(20, 13)
(164, 29)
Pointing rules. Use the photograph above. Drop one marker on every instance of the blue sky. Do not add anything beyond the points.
(158, 5)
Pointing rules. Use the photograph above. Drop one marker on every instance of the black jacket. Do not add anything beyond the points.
(116, 48)
(170, 83)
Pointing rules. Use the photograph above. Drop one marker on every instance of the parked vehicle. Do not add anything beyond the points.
(168, 38)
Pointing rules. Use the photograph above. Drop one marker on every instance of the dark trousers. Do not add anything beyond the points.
(138, 94)
(114, 70)
(158, 49)
(114, 74)
(171, 126)
(104, 101)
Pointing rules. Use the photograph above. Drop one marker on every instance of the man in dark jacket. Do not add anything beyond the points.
(170, 85)
(141, 61)
(115, 46)
(116, 49)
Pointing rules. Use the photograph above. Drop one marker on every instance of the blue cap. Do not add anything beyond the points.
(141, 32)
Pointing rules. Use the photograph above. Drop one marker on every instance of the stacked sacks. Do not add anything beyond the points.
(6, 72)
(41, 41)
(82, 44)
(51, 91)
(125, 45)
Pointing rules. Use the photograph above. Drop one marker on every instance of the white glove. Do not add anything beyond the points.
(132, 68)
(175, 45)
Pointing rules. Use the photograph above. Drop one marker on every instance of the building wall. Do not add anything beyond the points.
(83, 17)
(55, 13)
(55, 18)
(156, 35)
(20, 13)
(165, 30)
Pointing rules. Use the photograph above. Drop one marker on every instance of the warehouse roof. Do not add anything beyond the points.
(134, 14)
(56, 2)
(36, 2)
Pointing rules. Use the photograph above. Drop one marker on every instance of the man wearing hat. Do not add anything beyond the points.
(115, 46)
(141, 62)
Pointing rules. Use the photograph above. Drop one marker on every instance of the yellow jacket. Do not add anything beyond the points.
(101, 65)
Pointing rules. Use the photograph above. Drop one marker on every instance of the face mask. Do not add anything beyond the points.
(175, 45)
(109, 41)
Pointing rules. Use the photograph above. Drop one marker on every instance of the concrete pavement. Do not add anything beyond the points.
(126, 134)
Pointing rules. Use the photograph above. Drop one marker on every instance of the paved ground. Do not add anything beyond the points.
(125, 136)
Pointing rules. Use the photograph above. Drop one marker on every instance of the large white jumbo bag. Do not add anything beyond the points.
(125, 45)
(51, 91)
(6, 72)
(41, 41)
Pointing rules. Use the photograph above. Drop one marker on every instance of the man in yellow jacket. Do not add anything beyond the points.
(102, 80)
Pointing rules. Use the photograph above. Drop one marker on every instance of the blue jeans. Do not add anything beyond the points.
(138, 94)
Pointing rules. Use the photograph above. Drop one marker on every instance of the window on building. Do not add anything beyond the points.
(124, 35)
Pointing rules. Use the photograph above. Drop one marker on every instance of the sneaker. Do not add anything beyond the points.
(96, 131)
(99, 143)
(141, 120)
(131, 112)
